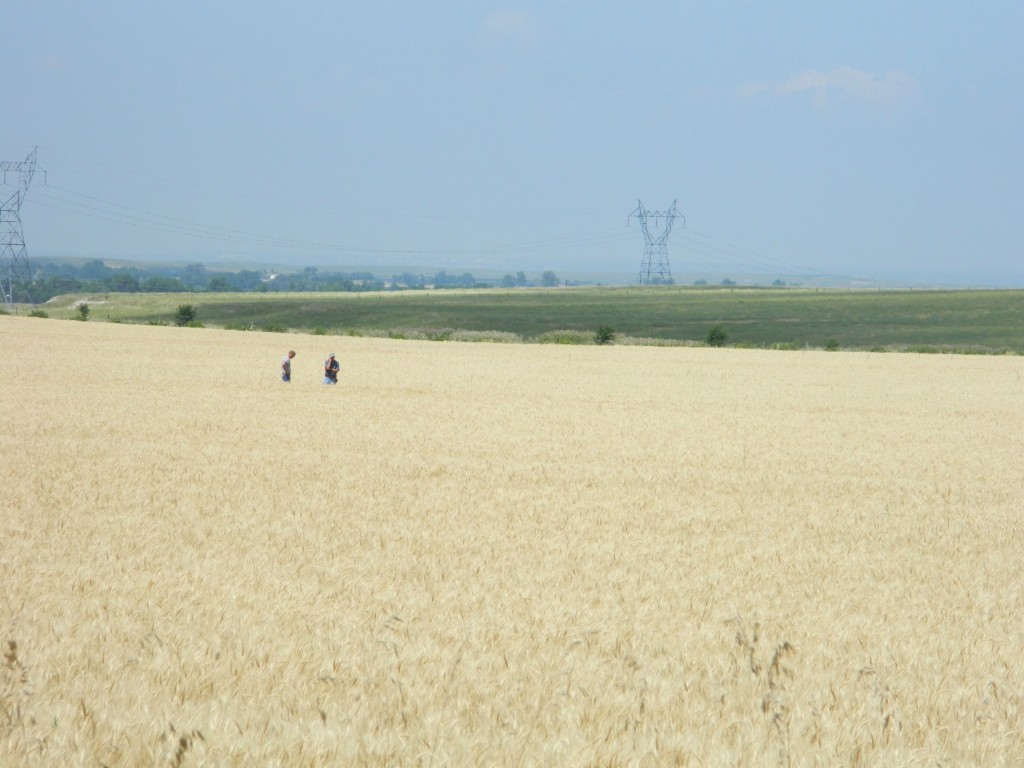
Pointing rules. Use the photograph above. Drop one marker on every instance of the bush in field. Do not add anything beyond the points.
(83, 312)
(185, 315)
(605, 334)
(832, 345)
(717, 336)
(37, 313)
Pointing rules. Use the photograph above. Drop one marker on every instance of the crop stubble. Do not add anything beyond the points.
(473, 554)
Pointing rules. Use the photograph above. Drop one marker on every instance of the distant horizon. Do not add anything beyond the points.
(686, 276)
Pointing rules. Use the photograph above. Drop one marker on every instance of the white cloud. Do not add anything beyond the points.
(841, 83)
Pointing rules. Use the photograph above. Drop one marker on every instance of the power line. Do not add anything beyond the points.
(104, 210)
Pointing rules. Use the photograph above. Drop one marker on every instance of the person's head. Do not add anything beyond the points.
(330, 356)
(291, 353)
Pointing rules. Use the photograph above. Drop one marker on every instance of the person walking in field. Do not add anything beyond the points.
(331, 368)
(286, 366)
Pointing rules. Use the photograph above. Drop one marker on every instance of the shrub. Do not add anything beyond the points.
(717, 336)
(273, 328)
(605, 334)
(832, 345)
(185, 315)
(83, 312)
(319, 331)
(37, 313)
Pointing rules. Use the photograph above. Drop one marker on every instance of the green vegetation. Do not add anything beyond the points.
(717, 336)
(605, 334)
(185, 315)
(83, 311)
(781, 318)
(55, 278)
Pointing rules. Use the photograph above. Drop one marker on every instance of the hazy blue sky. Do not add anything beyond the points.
(873, 139)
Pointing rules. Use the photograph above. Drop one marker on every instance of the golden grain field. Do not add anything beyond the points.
(481, 554)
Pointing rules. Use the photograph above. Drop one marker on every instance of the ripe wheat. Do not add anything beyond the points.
(471, 554)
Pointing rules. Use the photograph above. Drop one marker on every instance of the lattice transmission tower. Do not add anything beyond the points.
(14, 266)
(655, 269)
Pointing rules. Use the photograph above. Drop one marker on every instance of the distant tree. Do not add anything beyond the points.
(727, 281)
(83, 311)
(700, 282)
(184, 315)
(123, 282)
(508, 281)
(549, 279)
(605, 334)
(218, 284)
(717, 336)
(520, 278)
(161, 284)
(194, 276)
(778, 283)
(245, 279)
(94, 269)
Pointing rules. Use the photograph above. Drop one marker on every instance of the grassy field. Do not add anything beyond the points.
(474, 554)
(797, 318)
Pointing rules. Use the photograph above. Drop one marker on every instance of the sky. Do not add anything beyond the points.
(798, 140)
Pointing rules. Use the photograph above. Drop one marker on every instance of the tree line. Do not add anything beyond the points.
(51, 279)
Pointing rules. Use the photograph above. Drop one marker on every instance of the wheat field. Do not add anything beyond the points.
(481, 554)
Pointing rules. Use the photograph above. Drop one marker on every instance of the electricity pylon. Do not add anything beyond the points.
(655, 267)
(14, 265)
